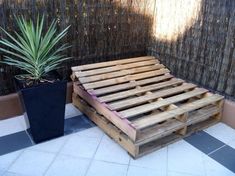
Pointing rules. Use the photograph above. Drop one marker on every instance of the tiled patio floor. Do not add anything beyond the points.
(91, 153)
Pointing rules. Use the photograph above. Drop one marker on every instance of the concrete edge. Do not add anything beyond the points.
(228, 116)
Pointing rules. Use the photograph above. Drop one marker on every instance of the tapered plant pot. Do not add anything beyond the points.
(44, 106)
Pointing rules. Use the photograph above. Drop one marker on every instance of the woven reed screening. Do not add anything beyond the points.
(195, 39)
(204, 53)
(100, 30)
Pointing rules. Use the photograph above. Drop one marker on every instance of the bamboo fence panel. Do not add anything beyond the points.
(100, 30)
(201, 51)
(204, 53)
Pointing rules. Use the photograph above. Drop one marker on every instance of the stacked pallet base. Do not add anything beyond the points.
(139, 104)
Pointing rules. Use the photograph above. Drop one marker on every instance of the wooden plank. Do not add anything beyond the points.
(110, 63)
(129, 85)
(152, 119)
(156, 118)
(123, 125)
(158, 144)
(128, 93)
(201, 102)
(106, 126)
(120, 73)
(80, 74)
(117, 105)
(201, 125)
(162, 142)
(165, 102)
(159, 131)
(123, 79)
(203, 114)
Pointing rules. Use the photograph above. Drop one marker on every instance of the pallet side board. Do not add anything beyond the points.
(100, 108)
(105, 125)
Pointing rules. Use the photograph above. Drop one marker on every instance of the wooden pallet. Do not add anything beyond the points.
(140, 98)
(135, 149)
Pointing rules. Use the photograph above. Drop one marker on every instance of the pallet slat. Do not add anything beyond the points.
(121, 72)
(159, 131)
(110, 63)
(155, 105)
(128, 93)
(130, 85)
(154, 119)
(123, 79)
(111, 69)
(141, 99)
(203, 114)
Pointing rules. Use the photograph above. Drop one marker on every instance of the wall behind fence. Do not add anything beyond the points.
(196, 40)
(100, 30)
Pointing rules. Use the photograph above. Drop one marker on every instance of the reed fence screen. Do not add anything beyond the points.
(194, 39)
(203, 50)
(100, 30)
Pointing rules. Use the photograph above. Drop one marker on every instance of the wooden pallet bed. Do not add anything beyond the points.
(140, 104)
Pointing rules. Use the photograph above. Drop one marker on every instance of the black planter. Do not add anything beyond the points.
(45, 108)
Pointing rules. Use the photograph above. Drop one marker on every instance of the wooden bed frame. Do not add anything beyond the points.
(140, 104)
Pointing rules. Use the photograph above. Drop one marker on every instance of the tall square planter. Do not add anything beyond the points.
(44, 109)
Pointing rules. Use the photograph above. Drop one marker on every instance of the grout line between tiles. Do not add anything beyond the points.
(14, 173)
(185, 173)
(7, 169)
(216, 149)
(110, 162)
(128, 166)
(56, 155)
(92, 158)
(204, 163)
(167, 160)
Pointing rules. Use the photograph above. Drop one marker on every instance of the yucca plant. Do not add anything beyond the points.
(37, 53)
(33, 50)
